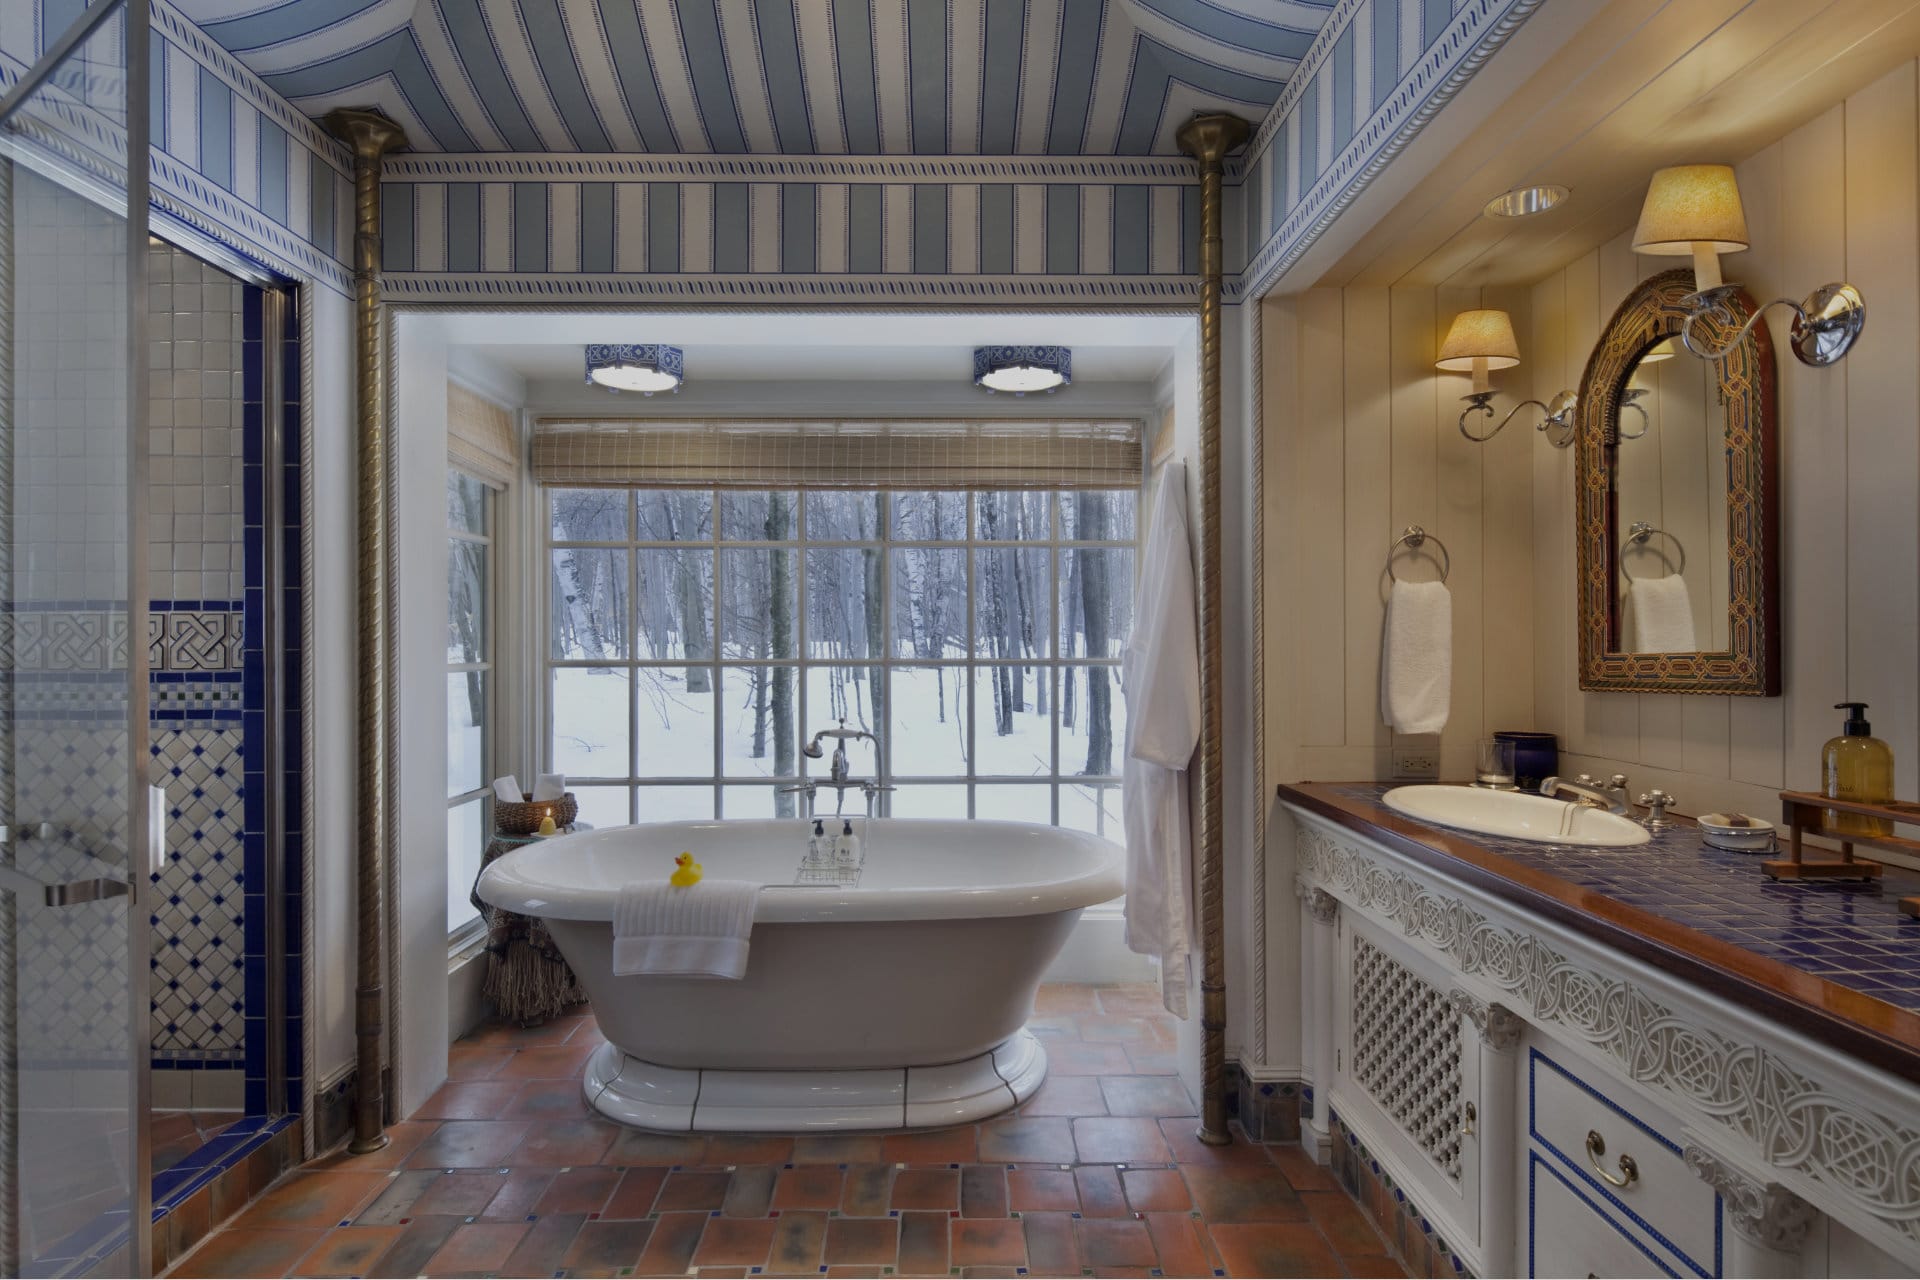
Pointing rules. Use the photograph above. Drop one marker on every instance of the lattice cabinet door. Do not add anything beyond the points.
(1407, 1076)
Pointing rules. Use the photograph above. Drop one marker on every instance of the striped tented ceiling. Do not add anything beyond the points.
(794, 77)
(603, 453)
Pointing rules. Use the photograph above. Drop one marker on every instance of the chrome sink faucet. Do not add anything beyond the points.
(1590, 792)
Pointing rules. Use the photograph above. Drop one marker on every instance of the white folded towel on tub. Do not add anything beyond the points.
(1416, 658)
(700, 931)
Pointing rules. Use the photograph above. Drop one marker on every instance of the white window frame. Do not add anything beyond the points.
(808, 721)
(459, 937)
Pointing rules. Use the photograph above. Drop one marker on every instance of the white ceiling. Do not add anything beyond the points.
(791, 362)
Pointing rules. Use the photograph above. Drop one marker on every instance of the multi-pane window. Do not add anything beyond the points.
(469, 670)
(697, 638)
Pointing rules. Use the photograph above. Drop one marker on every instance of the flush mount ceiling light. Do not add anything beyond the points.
(645, 367)
(1524, 202)
(1022, 369)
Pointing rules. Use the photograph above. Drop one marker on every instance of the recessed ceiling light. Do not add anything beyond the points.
(1524, 202)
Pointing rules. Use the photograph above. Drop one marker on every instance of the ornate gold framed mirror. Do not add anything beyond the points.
(1676, 504)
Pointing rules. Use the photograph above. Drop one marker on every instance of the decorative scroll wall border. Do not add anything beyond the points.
(1784, 1116)
(60, 640)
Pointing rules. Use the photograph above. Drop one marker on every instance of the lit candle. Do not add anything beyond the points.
(546, 824)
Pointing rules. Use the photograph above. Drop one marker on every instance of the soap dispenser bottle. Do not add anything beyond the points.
(1856, 766)
(846, 852)
(819, 847)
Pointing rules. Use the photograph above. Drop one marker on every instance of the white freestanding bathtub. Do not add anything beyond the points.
(901, 1002)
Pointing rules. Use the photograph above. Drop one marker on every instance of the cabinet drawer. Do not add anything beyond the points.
(1566, 1112)
(1568, 1234)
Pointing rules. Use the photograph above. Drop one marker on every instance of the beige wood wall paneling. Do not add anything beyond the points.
(1838, 198)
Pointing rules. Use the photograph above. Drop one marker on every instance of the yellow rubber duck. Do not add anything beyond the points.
(686, 872)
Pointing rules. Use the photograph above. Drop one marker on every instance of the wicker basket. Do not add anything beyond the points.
(524, 819)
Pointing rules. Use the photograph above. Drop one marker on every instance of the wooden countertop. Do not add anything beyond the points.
(1782, 987)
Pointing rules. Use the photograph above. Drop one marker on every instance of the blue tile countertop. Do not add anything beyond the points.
(1850, 936)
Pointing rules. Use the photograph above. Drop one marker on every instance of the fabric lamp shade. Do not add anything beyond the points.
(1689, 205)
(1479, 336)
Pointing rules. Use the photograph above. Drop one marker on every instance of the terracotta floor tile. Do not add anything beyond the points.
(670, 1250)
(1273, 1249)
(545, 1244)
(637, 1146)
(1182, 1136)
(1042, 1190)
(1122, 1029)
(983, 1191)
(1052, 1248)
(1181, 1241)
(869, 1189)
(475, 1062)
(748, 1148)
(1301, 1170)
(1147, 1096)
(989, 1242)
(797, 1243)
(566, 1143)
(1152, 1060)
(403, 1192)
(469, 1144)
(926, 1189)
(1341, 1222)
(544, 1100)
(634, 1197)
(467, 1193)
(989, 1273)
(1156, 1190)
(923, 1244)
(1124, 1273)
(1138, 999)
(1364, 1265)
(809, 1187)
(347, 1251)
(1243, 1194)
(862, 1241)
(1100, 1194)
(1075, 1058)
(750, 1191)
(521, 1191)
(1065, 997)
(611, 1245)
(739, 1242)
(494, 1033)
(477, 1246)
(582, 1190)
(1022, 1140)
(556, 1062)
(857, 1273)
(1123, 1139)
(836, 1148)
(1116, 1242)
(1067, 1096)
(684, 1189)
(470, 1100)
(931, 1146)
(322, 1199)
(403, 1140)
(240, 1251)
(418, 1241)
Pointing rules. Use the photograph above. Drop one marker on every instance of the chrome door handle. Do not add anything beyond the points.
(1629, 1168)
(69, 894)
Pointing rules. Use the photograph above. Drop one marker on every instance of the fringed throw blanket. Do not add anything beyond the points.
(527, 979)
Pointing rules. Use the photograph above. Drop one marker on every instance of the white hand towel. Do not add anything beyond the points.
(700, 931)
(507, 788)
(1416, 657)
(1662, 615)
(549, 786)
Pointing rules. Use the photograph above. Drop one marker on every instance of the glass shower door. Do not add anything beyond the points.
(74, 1018)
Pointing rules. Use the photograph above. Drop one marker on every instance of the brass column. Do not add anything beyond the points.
(371, 135)
(1208, 139)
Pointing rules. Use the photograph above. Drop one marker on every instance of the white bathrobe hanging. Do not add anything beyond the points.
(1160, 674)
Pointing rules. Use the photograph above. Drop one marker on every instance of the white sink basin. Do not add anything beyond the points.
(1516, 815)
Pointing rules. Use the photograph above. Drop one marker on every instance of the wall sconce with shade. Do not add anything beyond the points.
(1695, 210)
(1480, 341)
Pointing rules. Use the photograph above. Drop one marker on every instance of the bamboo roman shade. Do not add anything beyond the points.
(480, 437)
(581, 453)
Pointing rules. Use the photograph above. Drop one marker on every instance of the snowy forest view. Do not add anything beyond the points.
(698, 638)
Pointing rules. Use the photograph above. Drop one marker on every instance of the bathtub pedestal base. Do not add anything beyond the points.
(649, 1096)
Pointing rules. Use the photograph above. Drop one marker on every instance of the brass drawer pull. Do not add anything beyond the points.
(1597, 1147)
(1466, 1130)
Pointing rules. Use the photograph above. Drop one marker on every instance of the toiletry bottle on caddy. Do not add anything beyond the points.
(1856, 766)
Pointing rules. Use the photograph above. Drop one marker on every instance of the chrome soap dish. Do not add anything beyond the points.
(1738, 833)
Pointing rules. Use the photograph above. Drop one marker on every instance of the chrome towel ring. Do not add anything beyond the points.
(1416, 537)
(1639, 533)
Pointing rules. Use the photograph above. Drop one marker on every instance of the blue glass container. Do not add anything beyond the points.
(1536, 757)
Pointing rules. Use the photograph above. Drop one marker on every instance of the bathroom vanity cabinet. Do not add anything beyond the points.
(1571, 1065)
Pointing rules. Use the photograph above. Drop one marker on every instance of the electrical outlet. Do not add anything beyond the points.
(1408, 763)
